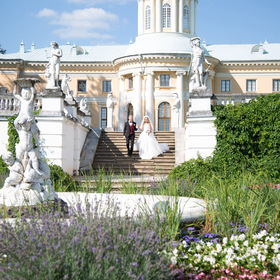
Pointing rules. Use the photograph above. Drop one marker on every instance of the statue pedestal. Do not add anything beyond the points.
(200, 129)
(200, 102)
(52, 102)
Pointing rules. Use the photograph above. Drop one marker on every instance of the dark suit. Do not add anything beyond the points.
(129, 136)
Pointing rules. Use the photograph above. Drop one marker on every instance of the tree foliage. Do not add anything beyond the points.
(248, 139)
(2, 50)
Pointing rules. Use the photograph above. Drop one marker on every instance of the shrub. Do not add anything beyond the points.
(61, 180)
(90, 244)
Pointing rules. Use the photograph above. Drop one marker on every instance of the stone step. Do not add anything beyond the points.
(112, 155)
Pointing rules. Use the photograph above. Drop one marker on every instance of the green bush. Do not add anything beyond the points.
(193, 170)
(248, 140)
(61, 180)
(13, 137)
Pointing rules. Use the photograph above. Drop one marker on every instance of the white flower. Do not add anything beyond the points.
(225, 240)
(175, 252)
(184, 244)
(275, 247)
(173, 260)
(219, 247)
(242, 237)
(261, 257)
(198, 247)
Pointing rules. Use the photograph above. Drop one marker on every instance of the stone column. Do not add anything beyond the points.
(152, 16)
(174, 16)
(181, 7)
(150, 96)
(140, 17)
(195, 13)
(158, 15)
(192, 17)
(137, 101)
(180, 91)
(121, 104)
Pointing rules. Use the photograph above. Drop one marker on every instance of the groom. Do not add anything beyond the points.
(129, 134)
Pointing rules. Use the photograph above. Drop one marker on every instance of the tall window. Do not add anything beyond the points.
(186, 17)
(225, 85)
(166, 15)
(130, 82)
(106, 86)
(164, 80)
(82, 86)
(164, 117)
(276, 85)
(129, 109)
(103, 117)
(147, 17)
(251, 85)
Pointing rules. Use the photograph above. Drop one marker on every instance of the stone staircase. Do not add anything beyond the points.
(111, 154)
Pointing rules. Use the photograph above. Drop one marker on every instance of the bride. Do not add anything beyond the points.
(146, 143)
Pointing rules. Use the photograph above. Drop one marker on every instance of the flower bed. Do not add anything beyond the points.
(238, 256)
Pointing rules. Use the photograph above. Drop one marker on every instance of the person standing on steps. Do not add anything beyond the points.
(129, 134)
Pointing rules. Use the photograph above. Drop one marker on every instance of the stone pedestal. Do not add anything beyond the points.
(52, 102)
(200, 129)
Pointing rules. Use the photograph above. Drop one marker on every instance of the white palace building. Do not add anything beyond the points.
(152, 75)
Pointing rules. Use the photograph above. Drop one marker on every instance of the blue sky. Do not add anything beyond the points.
(92, 22)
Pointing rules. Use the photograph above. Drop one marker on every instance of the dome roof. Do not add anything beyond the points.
(160, 43)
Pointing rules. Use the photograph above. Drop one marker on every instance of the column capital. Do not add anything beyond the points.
(134, 74)
(149, 73)
(121, 77)
(181, 73)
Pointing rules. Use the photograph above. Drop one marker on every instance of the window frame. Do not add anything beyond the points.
(277, 83)
(147, 17)
(166, 15)
(226, 87)
(84, 86)
(130, 83)
(251, 85)
(101, 115)
(105, 84)
(186, 17)
(164, 118)
(164, 82)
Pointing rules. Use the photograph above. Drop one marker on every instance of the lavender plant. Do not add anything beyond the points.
(89, 244)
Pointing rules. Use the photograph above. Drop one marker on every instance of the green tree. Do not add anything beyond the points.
(2, 50)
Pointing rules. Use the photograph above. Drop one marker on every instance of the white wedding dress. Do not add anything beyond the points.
(148, 145)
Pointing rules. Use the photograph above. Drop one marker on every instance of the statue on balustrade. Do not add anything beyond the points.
(53, 67)
(199, 74)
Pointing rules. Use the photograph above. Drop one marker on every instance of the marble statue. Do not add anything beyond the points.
(29, 179)
(200, 75)
(83, 105)
(16, 170)
(53, 67)
(65, 87)
(110, 110)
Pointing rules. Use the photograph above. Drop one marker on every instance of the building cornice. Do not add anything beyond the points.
(249, 63)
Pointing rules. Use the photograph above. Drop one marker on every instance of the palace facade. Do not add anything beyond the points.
(152, 75)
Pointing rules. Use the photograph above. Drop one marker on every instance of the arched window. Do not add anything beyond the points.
(166, 15)
(147, 17)
(164, 117)
(129, 109)
(186, 17)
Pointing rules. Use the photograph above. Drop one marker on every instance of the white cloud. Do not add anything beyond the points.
(47, 13)
(84, 23)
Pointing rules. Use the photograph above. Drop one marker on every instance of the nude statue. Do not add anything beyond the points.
(53, 67)
(16, 170)
(198, 71)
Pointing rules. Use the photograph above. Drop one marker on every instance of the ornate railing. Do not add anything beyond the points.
(9, 105)
(234, 98)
